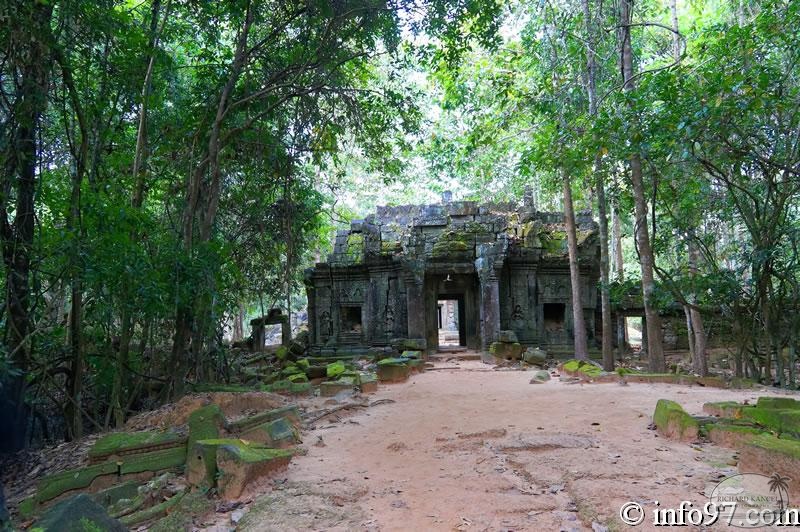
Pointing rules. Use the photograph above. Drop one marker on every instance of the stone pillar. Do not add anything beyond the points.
(258, 334)
(286, 331)
(312, 306)
(415, 305)
(489, 309)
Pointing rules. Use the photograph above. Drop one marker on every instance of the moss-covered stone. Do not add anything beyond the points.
(201, 464)
(730, 435)
(780, 421)
(239, 463)
(369, 383)
(332, 388)
(673, 422)
(54, 485)
(153, 512)
(289, 412)
(334, 369)
(506, 350)
(184, 514)
(778, 403)
(205, 423)
(393, 372)
(118, 443)
(218, 388)
(724, 409)
(767, 455)
(581, 367)
(279, 433)
(77, 514)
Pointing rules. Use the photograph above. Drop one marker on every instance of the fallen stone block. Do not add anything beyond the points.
(393, 372)
(540, 377)
(106, 474)
(582, 368)
(289, 412)
(333, 388)
(780, 421)
(724, 409)
(768, 455)
(334, 369)
(730, 435)
(369, 383)
(779, 403)
(534, 356)
(205, 423)
(118, 444)
(153, 512)
(77, 514)
(238, 464)
(278, 433)
(506, 351)
(673, 422)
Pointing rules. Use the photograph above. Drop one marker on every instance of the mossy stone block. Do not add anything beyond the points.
(778, 403)
(205, 423)
(279, 433)
(673, 422)
(289, 412)
(240, 463)
(334, 369)
(781, 421)
(393, 372)
(54, 485)
(121, 442)
(506, 350)
(331, 388)
(724, 409)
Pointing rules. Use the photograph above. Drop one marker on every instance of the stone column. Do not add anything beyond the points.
(415, 305)
(489, 308)
(258, 334)
(311, 293)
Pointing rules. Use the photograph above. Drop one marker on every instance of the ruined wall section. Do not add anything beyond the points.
(371, 289)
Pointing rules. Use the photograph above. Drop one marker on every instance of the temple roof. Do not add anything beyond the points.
(460, 231)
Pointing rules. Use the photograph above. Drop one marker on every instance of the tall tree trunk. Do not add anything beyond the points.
(30, 23)
(204, 180)
(579, 325)
(605, 296)
(619, 274)
(75, 229)
(699, 359)
(655, 349)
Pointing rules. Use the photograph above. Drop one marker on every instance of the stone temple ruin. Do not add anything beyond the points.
(404, 274)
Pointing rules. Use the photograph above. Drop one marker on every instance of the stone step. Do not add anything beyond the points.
(448, 355)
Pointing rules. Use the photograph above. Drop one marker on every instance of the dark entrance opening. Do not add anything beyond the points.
(553, 317)
(351, 320)
(451, 320)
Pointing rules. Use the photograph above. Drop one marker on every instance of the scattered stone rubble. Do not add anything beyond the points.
(135, 477)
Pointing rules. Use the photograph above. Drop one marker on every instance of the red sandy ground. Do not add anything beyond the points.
(477, 449)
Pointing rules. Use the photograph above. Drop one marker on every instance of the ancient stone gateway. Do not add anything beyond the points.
(493, 267)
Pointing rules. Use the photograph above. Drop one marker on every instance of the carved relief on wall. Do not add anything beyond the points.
(325, 325)
(351, 292)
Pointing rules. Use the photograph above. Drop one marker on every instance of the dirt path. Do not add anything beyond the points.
(476, 449)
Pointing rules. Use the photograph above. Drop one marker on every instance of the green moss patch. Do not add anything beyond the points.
(781, 403)
(781, 421)
(126, 441)
(334, 369)
(724, 409)
(789, 448)
(205, 423)
(673, 422)
(581, 367)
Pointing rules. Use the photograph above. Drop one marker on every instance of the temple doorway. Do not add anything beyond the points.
(451, 321)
